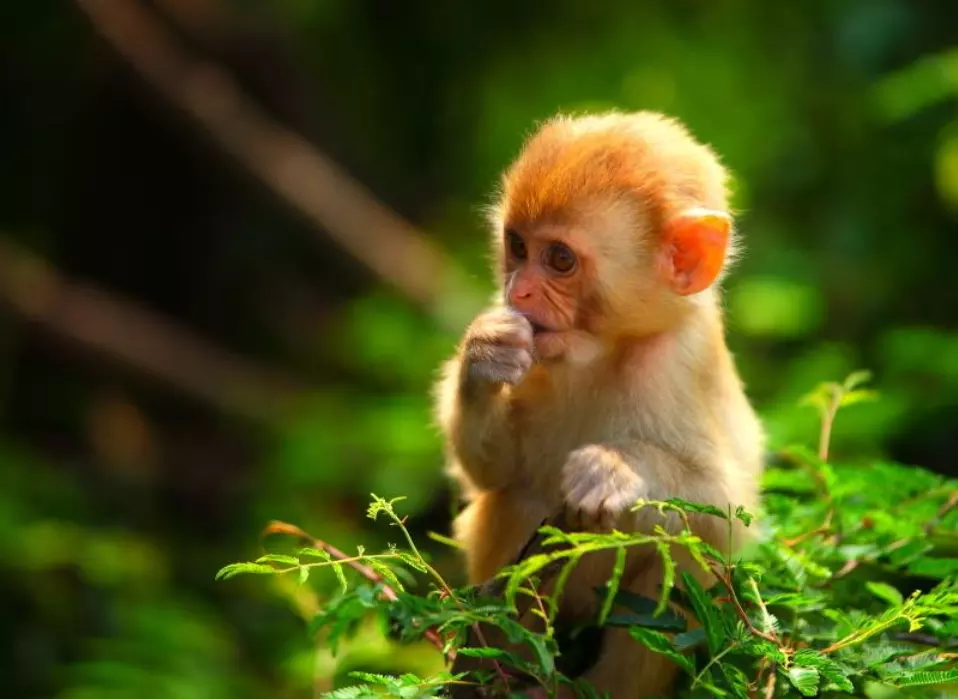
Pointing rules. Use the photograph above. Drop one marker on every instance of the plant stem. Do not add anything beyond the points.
(740, 609)
(277, 527)
(711, 662)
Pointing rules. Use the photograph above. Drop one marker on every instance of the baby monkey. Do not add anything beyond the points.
(601, 375)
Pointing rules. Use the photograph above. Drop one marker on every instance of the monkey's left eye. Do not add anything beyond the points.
(517, 248)
(560, 258)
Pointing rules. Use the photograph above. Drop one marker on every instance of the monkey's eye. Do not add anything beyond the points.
(560, 258)
(517, 248)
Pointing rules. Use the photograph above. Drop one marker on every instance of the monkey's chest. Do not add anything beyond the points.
(547, 432)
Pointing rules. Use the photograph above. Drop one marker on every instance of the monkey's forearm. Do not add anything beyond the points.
(474, 416)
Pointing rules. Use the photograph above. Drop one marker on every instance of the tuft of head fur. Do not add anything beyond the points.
(572, 164)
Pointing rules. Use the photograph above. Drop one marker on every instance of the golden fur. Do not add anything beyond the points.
(633, 389)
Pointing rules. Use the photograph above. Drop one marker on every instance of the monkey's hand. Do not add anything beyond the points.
(599, 487)
(498, 347)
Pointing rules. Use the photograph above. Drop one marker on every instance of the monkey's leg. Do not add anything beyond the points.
(495, 527)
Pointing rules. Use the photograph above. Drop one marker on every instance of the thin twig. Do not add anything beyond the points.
(116, 328)
(740, 610)
(288, 164)
(946, 507)
(277, 527)
(770, 682)
(766, 617)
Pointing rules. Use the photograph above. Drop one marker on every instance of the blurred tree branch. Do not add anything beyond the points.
(118, 329)
(308, 180)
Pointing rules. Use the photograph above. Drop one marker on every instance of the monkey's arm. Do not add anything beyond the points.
(473, 395)
(473, 415)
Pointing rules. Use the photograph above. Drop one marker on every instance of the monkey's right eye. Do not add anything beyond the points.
(517, 248)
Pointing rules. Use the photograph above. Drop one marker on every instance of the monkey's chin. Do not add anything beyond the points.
(549, 345)
(570, 346)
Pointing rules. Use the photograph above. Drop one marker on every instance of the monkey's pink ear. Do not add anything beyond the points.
(694, 245)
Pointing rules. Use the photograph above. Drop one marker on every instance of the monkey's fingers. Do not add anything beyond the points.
(503, 365)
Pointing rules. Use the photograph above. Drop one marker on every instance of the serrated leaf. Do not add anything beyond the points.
(314, 553)
(831, 671)
(927, 678)
(278, 558)
(374, 678)
(341, 577)
(668, 576)
(235, 569)
(885, 592)
(809, 658)
(660, 643)
(543, 655)
(698, 507)
(736, 679)
(613, 585)
(805, 680)
(356, 692)
(386, 573)
(706, 612)
(484, 652)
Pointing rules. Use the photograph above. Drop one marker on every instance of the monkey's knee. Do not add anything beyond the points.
(628, 670)
(494, 528)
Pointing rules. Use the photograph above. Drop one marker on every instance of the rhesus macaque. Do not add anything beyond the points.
(601, 375)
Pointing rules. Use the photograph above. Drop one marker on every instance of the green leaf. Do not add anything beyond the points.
(613, 585)
(835, 675)
(885, 592)
(240, 568)
(668, 575)
(278, 558)
(737, 681)
(374, 678)
(386, 573)
(641, 612)
(494, 653)
(660, 643)
(303, 574)
(689, 639)
(340, 576)
(934, 567)
(805, 680)
(927, 678)
(314, 553)
(706, 612)
(743, 515)
(543, 654)
(701, 508)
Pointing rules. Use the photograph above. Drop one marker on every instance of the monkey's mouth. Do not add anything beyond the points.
(539, 328)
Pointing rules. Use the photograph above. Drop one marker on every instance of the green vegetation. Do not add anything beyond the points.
(850, 588)
(123, 492)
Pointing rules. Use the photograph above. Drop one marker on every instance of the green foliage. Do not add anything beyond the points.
(843, 590)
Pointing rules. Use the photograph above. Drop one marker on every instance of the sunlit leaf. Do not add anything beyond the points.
(885, 592)
(805, 680)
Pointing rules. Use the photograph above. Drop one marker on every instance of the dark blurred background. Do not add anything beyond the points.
(204, 325)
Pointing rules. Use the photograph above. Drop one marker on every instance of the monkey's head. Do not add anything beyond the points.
(609, 227)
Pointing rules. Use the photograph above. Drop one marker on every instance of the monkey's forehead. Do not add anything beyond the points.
(566, 169)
